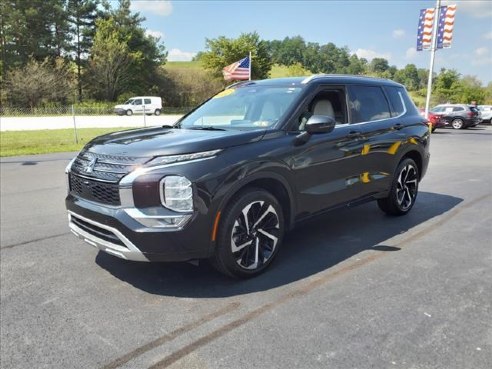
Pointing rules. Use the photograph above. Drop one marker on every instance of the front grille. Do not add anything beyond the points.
(96, 231)
(105, 193)
(107, 168)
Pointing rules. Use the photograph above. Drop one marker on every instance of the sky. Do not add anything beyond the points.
(368, 28)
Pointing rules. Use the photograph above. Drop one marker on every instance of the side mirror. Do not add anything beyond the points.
(320, 124)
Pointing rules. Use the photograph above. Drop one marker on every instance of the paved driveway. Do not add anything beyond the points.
(351, 289)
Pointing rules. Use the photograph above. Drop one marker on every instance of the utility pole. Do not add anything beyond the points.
(433, 54)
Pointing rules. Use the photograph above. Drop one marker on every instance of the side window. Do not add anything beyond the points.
(137, 102)
(395, 96)
(368, 103)
(458, 108)
(147, 101)
(330, 102)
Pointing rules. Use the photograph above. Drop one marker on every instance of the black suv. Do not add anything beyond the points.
(229, 179)
(459, 116)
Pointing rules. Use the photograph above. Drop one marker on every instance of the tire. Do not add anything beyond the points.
(404, 189)
(250, 233)
(457, 123)
(129, 112)
(157, 112)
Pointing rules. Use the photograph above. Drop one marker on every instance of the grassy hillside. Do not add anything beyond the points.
(278, 71)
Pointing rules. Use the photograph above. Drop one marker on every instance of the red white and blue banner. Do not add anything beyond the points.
(424, 32)
(445, 27)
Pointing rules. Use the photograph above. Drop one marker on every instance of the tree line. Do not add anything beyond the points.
(58, 52)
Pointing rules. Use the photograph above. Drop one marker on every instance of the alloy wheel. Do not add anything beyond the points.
(255, 235)
(457, 123)
(406, 187)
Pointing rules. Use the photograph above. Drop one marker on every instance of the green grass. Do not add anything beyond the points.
(183, 65)
(13, 143)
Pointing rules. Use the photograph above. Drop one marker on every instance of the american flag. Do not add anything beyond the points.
(446, 24)
(237, 71)
(424, 32)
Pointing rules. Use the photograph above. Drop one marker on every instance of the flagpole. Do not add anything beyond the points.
(433, 54)
(250, 66)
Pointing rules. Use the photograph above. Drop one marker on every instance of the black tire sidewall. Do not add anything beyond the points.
(226, 224)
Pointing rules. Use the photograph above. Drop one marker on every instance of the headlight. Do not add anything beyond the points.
(163, 160)
(176, 193)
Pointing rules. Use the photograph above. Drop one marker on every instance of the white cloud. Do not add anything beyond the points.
(411, 53)
(371, 54)
(156, 34)
(488, 35)
(159, 7)
(482, 57)
(474, 8)
(481, 51)
(178, 55)
(398, 33)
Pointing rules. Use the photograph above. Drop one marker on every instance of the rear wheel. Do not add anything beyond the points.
(403, 191)
(129, 112)
(250, 233)
(457, 123)
(157, 112)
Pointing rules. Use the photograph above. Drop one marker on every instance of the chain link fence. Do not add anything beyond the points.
(6, 111)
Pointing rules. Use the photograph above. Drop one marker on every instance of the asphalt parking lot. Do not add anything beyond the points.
(351, 289)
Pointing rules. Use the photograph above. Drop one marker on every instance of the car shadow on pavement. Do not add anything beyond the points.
(310, 248)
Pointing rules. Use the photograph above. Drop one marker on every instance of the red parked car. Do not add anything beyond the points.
(435, 120)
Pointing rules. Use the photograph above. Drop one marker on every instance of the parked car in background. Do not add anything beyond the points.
(486, 111)
(435, 120)
(140, 105)
(230, 178)
(458, 116)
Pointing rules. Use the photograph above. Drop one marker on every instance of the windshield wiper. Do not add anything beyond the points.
(207, 128)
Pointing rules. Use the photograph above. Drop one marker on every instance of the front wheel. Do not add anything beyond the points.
(457, 123)
(250, 233)
(403, 191)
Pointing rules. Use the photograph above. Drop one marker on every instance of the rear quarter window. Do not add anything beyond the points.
(395, 96)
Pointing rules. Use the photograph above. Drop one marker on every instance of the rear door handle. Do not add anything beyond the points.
(398, 126)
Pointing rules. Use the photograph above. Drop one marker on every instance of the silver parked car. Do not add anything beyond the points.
(486, 111)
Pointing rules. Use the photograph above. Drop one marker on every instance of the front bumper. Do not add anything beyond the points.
(116, 231)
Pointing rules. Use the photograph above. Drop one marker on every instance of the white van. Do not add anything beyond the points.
(139, 105)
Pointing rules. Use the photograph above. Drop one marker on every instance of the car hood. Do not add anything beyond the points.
(148, 142)
(119, 106)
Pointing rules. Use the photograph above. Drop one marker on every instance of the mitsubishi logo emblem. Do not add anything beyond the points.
(90, 167)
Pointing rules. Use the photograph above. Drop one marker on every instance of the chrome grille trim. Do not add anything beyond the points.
(130, 252)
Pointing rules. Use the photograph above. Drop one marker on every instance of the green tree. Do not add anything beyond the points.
(82, 16)
(39, 82)
(357, 66)
(223, 51)
(408, 76)
(111, 61)
(35, 28)
(378, 66)
(151, 53)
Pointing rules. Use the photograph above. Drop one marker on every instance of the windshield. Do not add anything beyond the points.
(129, 102)
(243, 107)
